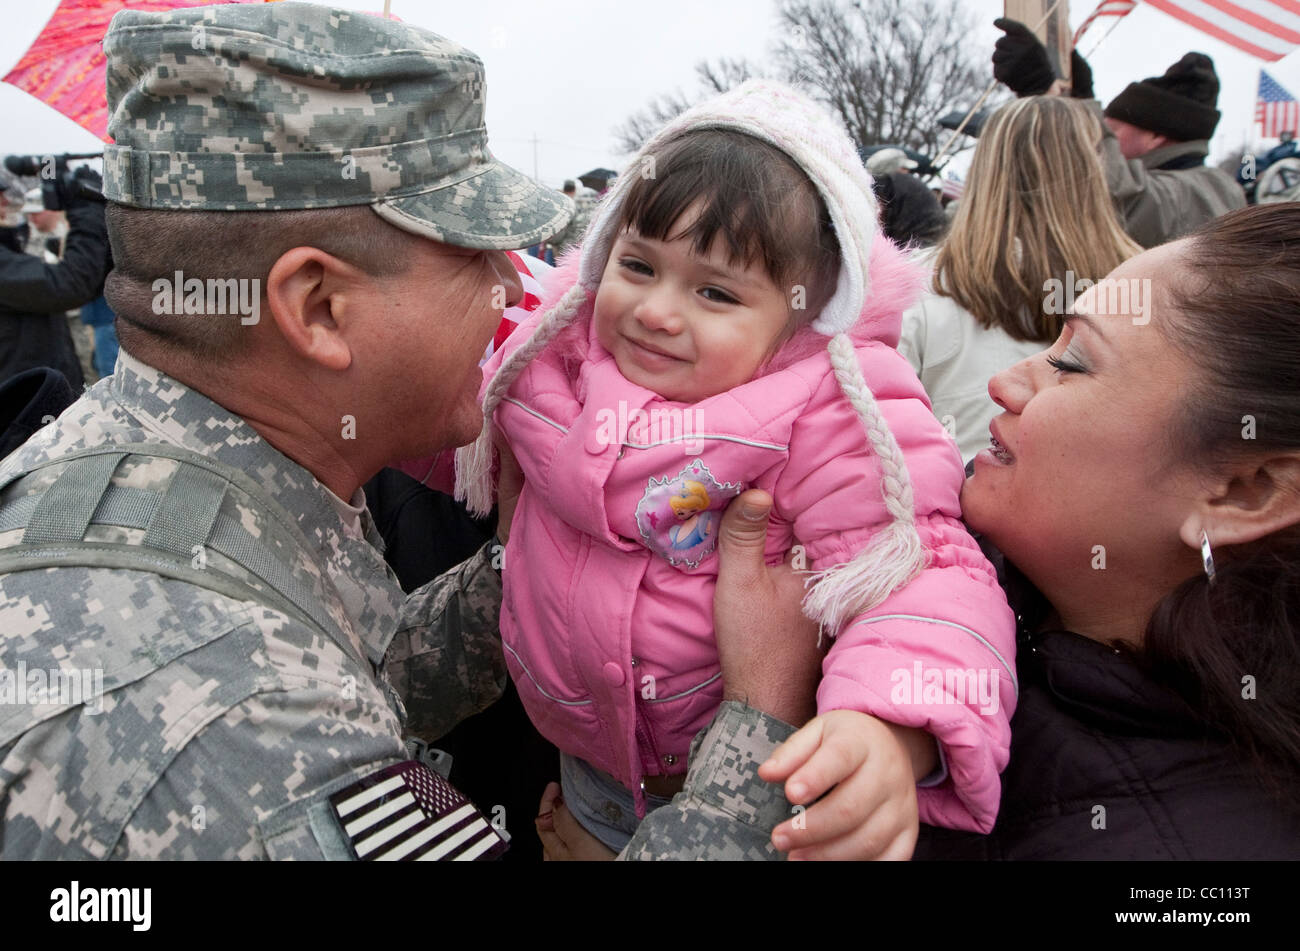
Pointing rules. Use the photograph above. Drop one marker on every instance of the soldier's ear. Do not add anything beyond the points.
(308, 291)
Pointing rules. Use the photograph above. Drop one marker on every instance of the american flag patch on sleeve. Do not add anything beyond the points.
(407, 812)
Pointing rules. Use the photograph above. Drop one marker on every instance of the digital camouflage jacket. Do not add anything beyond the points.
(181, 722)
(144, 714)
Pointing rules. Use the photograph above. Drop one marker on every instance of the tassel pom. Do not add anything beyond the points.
(474, 472)
(893, 558)
(895, 555)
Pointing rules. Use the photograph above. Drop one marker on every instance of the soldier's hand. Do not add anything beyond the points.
(871, 812)
(766, 647)
(563, 837)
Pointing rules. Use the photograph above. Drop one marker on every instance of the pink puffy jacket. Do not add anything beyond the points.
(610, 567)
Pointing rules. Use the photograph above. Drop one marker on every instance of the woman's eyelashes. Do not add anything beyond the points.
(1067, 363)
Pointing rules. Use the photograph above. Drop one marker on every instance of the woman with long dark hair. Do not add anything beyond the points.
(1143, 485)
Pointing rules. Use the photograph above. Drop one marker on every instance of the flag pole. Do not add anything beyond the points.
(947, 146)
(1109, 31)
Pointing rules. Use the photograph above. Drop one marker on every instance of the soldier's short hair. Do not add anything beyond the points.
(219, 246)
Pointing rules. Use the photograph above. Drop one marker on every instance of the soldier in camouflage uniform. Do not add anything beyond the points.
(253, 654)
(584, 201)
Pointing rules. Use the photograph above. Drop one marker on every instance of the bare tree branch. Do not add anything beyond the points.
(888, 68)
(727, 74)
(714, 78)
(641, 125)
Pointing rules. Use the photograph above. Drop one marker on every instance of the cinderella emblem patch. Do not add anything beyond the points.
(679, 515)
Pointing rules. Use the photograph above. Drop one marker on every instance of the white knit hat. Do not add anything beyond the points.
(818, 144)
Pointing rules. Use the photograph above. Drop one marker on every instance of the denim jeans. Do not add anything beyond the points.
(105, 349)
(601, 804)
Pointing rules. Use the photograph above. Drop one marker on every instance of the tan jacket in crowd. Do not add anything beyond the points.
(1160, 204)
(955, 357)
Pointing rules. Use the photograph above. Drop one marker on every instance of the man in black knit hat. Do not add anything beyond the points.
(1156, 138)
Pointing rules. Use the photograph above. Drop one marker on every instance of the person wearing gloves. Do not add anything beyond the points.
(909, 213)
(266, 693)
(744, 290)
(34, 295)
(1157, 137)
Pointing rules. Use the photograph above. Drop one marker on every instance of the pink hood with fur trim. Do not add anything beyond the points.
(610, 567)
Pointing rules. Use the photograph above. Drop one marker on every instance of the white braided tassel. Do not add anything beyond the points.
(894, 556)
(474, 471)
(474, 462)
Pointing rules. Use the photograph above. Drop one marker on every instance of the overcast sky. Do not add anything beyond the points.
(569, 71)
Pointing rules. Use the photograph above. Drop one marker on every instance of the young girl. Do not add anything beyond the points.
(730, 324)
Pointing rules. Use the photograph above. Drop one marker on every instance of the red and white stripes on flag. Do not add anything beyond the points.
(1269, 29)
(1276, 110)
(531, 270)
(1107, 8)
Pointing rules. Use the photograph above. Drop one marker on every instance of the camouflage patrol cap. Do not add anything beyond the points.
(292, 105)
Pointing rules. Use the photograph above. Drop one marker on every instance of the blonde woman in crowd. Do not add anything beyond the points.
(1035, 228)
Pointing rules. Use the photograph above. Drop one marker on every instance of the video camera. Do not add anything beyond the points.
(58, 182)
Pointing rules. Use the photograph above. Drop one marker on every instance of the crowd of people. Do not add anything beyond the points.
(56, 331)
(785, 516)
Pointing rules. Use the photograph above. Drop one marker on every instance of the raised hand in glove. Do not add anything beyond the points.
(1020, 61)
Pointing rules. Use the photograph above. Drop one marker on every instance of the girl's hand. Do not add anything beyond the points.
(563, 838)
(871, 813)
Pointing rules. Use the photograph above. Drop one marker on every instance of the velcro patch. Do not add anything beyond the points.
(407, 812)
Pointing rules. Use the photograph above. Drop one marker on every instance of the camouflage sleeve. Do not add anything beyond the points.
(725, 811)
(445, 660)
(254, 783)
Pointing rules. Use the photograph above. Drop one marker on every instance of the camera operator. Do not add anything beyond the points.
(34, 296)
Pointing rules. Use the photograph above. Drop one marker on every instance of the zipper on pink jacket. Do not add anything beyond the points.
(644, 740)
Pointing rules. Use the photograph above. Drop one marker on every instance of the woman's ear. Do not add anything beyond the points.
(1254, 500)
(306, 290)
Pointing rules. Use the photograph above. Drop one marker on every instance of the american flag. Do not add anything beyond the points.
(1277, 110)
(953, 186)
(1269, 29)
(408, 813)
(531, 271)
(1107, 8)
